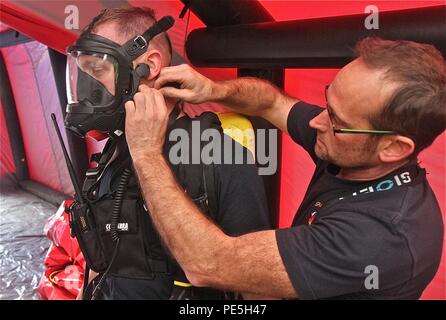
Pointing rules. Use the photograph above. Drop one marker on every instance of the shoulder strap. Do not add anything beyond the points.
(240, 130)
(210, 190)
(209, 181)
(199, 180)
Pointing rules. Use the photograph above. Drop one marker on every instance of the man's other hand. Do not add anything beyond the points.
(195, 88)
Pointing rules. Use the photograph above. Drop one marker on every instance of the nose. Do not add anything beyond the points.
(321, 122)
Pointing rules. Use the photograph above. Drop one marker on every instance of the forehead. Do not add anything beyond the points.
(359, 91)
(110, 31)
(357, 79)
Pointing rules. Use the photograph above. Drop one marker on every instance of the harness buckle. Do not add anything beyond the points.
(140, 41)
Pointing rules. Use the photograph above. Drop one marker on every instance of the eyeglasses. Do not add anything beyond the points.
(332, 115)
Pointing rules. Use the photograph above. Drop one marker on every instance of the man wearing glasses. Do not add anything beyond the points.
(369, 226)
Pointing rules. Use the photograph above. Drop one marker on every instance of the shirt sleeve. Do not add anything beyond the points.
(242, 200)
(298, 126)
(335, 256)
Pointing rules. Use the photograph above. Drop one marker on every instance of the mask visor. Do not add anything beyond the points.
(91, 79)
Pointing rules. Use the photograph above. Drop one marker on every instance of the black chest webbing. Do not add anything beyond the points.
(124, 242)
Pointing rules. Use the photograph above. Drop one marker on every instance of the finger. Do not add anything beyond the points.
(140, 105)
(174, 69)
(171, 74)
(129, 113)
(149, 101)
(143, 88)
(173, 92)
(161, 108)
(129, 107)
(163, 79)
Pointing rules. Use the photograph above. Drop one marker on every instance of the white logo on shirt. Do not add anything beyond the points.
(384, 185)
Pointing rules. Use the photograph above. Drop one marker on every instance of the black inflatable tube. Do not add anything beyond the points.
(312, 43)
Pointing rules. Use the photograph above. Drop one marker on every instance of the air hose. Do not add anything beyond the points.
(117, 204)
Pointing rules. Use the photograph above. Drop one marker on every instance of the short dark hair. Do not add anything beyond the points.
(131, 21)
(417, 108)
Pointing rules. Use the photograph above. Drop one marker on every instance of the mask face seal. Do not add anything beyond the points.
(100, 78)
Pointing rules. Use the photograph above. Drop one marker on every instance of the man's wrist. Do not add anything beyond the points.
(146, 157)
(218, 91)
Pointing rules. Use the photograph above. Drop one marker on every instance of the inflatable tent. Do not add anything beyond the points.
(314, 42)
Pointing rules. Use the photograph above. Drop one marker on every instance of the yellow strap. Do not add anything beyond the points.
(52, 275)
(182, 284)
(238, 128)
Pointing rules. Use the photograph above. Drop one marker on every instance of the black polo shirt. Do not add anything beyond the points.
(379, 239)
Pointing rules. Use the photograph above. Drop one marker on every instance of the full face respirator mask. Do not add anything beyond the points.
(101, 77)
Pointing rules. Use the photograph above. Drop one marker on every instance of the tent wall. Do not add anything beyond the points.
(12, 142)
(35, 94)
(433, 159)
(7, 166)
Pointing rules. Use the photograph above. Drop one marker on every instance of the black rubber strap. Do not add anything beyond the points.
(92, 175)
(210, 190)
(138, 45)
(86, 278)
(164, 24)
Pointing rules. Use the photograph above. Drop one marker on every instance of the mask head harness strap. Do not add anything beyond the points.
(138, 45)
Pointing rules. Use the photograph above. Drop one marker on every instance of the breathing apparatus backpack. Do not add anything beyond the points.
(121, 235)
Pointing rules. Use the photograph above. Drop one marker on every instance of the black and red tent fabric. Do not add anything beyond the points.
(34, 35)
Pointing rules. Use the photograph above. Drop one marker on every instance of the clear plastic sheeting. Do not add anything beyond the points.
(23, 245)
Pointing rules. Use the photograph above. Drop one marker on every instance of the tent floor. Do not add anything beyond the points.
(23, 245)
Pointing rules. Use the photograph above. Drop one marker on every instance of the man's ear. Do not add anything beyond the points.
(395, 148)
(154, 60)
